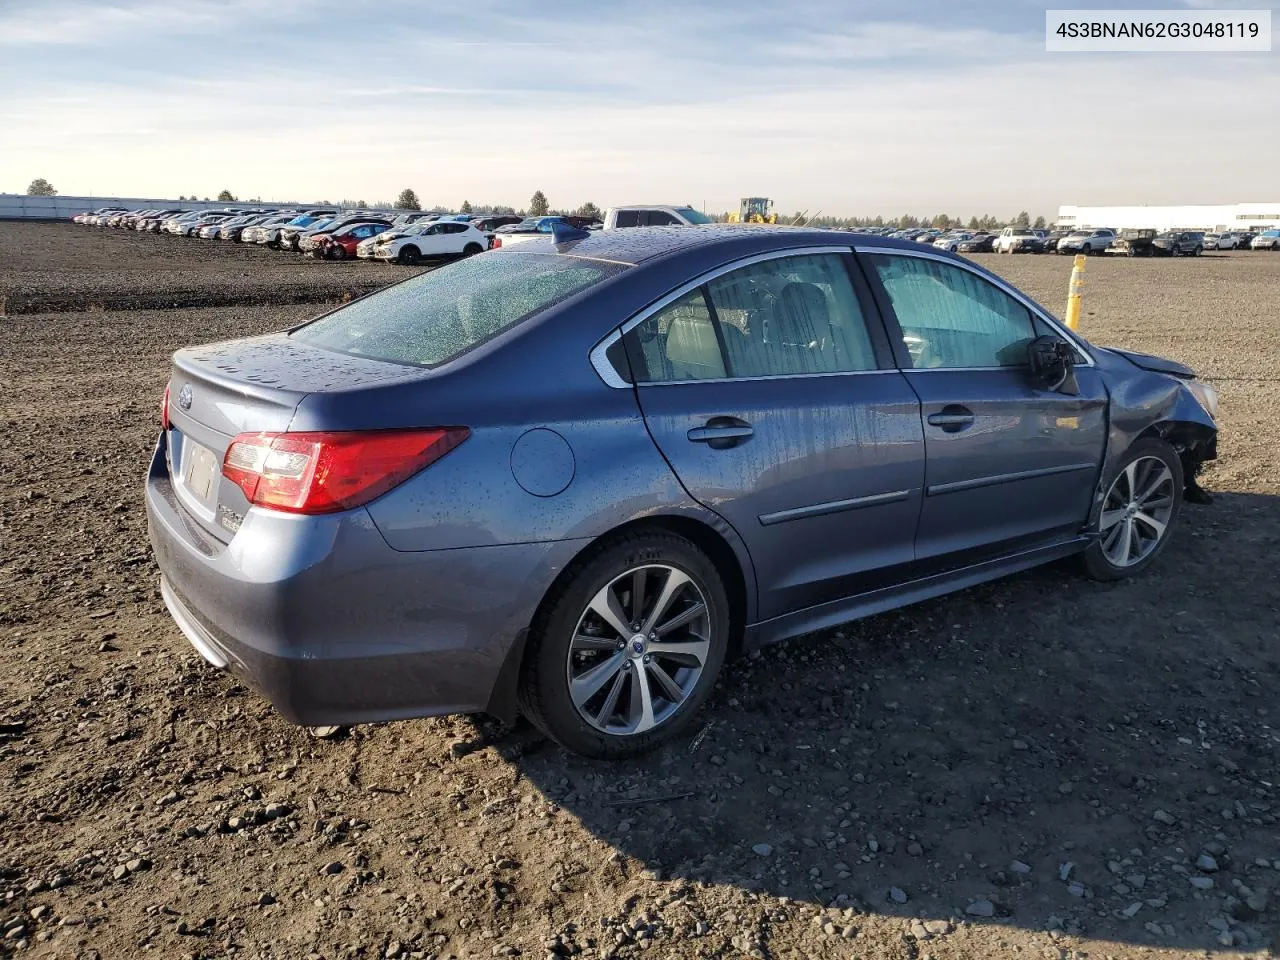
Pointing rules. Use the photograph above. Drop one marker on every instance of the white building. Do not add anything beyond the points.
(1220, 217)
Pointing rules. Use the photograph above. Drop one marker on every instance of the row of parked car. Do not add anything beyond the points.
(332, 234)
(410, 237)
(1134, 243)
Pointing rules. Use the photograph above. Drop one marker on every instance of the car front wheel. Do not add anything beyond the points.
(408, 255)
(1138, 512)
(627, 647)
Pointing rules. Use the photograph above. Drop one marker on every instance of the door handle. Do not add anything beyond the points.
(952, 418)
(721, 432)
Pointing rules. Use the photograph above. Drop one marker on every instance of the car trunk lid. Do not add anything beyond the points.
(219, 391)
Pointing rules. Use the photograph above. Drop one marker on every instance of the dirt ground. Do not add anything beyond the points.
(1040, 767)
(59, 266)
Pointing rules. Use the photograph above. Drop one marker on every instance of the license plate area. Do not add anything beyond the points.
(200, 471)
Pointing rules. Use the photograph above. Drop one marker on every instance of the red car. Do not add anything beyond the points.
(341, 244)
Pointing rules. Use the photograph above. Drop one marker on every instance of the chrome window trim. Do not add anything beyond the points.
(776, 376)
(610, 376)
(997, 282)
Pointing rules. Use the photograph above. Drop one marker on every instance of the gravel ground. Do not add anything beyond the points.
(1040, 767)
(59, 266)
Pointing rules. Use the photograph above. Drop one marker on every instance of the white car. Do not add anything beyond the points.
(1267, 240)
(420, 241)
(1018, 240)
(1087, 241)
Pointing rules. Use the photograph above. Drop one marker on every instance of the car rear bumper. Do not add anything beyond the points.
(333, 626)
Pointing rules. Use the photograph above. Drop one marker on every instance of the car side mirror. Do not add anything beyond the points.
(1052, 362)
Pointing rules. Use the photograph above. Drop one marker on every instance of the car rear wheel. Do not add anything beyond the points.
(471, 249)
(409, 255)
(628, 646)
(1138, 512)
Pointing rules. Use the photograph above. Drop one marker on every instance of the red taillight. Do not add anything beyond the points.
(331, 471)
(164, 409)
(497, 242)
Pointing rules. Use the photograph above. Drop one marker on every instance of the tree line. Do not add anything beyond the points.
(539, 206)
(907, 221)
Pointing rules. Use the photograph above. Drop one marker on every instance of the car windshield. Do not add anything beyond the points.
(437, 316)
(1023, 233)
(693, 216)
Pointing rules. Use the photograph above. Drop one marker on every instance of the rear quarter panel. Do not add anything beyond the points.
(586, 464)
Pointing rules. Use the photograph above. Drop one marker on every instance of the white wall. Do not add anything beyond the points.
(1231, 216)
(15, 206)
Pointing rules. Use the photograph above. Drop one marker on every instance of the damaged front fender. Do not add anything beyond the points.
(1149, 397)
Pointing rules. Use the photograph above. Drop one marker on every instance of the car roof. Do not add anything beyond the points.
(636, 245)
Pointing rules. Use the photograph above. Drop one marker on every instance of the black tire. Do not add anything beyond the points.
(1096, 562)
(544, 693)
(471, 249)
(336, 251)
(409, 255)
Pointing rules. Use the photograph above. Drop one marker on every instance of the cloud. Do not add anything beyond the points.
(813, 107)
(74, 23)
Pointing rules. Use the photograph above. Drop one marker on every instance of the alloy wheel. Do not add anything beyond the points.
(1137, 511)
(639, 649)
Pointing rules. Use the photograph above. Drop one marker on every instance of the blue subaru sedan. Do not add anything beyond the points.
(571, 478)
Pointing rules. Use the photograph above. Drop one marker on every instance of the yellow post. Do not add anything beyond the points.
(1075, 291)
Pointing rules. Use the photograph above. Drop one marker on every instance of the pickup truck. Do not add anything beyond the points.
(653, 215)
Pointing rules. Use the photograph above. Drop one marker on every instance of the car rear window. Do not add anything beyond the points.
(440, 315)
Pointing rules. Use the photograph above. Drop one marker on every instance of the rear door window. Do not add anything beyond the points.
(792, 315)
(626, 218)
(440, 315)
(679, 342)
(779, 317)
(657, 218)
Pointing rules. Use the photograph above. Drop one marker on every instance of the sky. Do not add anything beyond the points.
(840, 106)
